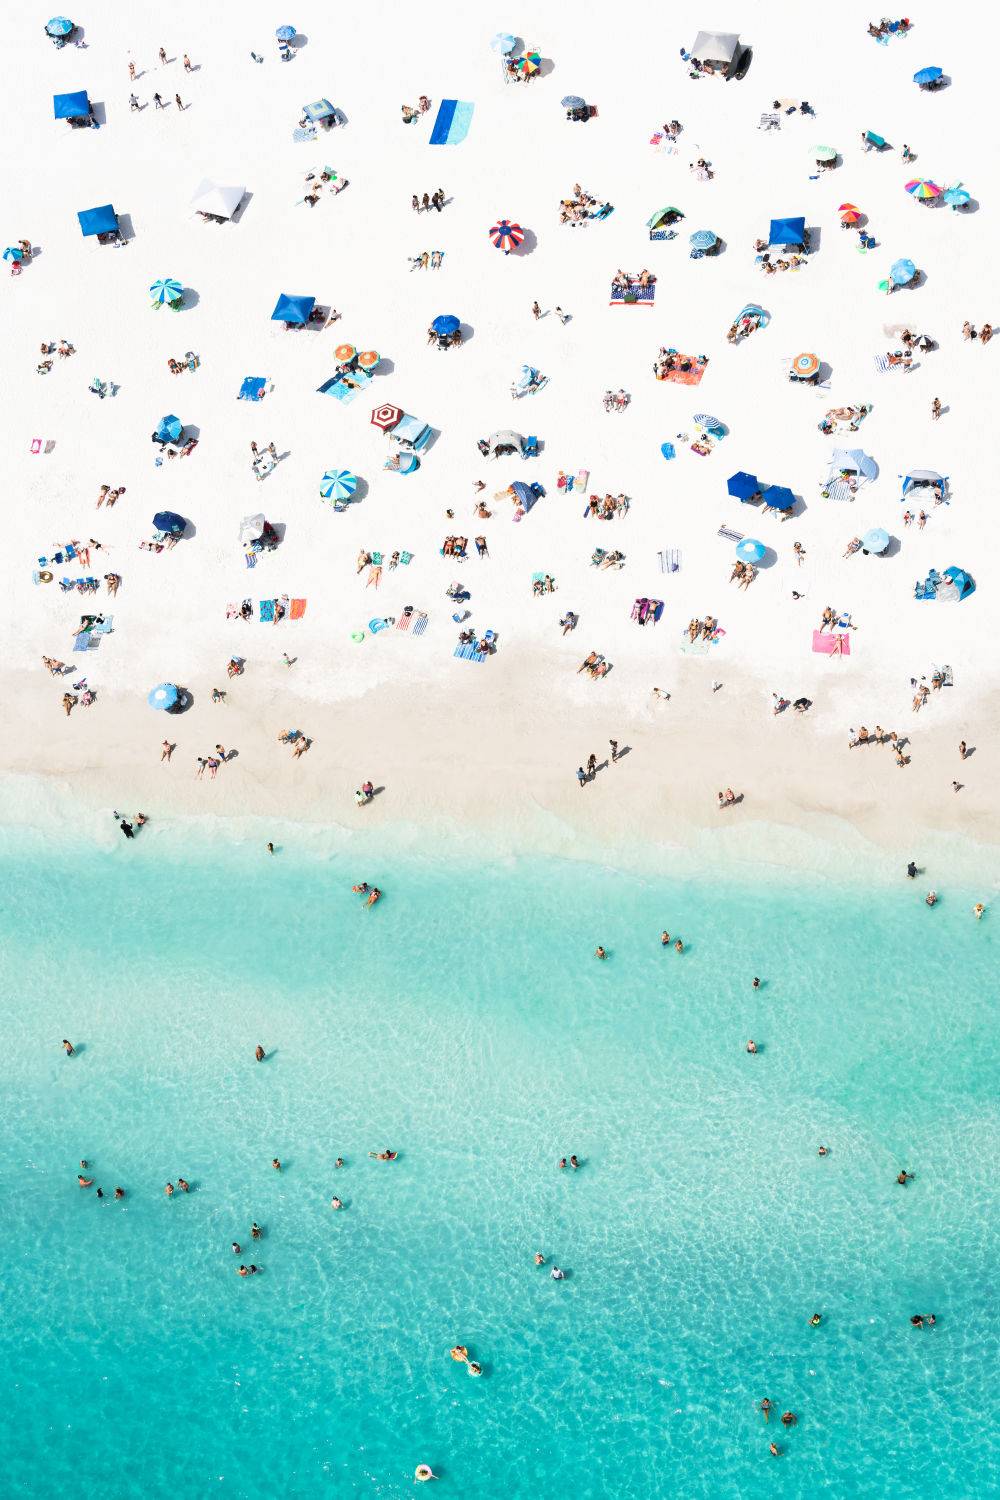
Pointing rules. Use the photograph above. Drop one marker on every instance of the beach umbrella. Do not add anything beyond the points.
(251, 528)
(170, 522)
(289, 309)
(903, 271)
(344, 352)
(338, 484)
(849, 215)
(875, 540)
(59, 26)
(752, 310)
(702, 239)
(573, 101)
(918, 188)
(742, 485)
(285, 33)
(824, 153)
(927, 75)
(386, 416)
(523, 493)
(848, 208)
(506, 236)
(786, 231)
(529, 63)
(707, 423)
(750, 551)
(217, 198)
(805, 365)
(956, 196)
(503, 42)
(779, 497)
(164, 696)
(13, 252)
(369, 359)
(445, 324)
(170, 429)
(166, 290)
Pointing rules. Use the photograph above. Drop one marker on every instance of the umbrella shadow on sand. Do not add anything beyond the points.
(527, 245)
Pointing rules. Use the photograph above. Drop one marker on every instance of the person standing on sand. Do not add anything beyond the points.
(581, 776)
(613, 744)
(536, 310)
(131, 72)
(187, 64)
(935, 409)
(163, 57)
(167, 750)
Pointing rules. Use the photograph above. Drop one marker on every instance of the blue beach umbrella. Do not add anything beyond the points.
(285, 33)
(956, 196)
(573, 101)
(166, 290)
(750, 551)
(170, 429)
(503, 42)
(168, 521)
(289, 309)
(927, 75)
(903, 271)
(875, 540)
(13, 252)
(164, 696)
(779, 497)
(59, 26)
(742, 485)
(445, 324)
(702, 239)
(338, 484)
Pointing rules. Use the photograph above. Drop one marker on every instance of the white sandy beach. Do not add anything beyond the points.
(498, 743)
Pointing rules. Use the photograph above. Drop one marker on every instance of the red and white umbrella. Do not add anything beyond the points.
(506, 236)
(386, 416)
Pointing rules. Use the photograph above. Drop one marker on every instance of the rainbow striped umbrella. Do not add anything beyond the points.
(918, 188)
(506, 236)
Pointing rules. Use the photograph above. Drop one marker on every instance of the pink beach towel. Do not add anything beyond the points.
(823, 642)
(297, 609)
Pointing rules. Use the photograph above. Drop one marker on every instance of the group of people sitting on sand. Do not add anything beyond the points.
(616, 401)
(705, 628)
(581, 207)
(745, 572)
(879, 737)
(625, 279)
(668, 362)
(594, 665)
(608, 508)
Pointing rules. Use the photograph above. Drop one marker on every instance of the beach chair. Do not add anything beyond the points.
(103, 625)
(530, 449)
(728, 535)
(598, 557)
(404, 558)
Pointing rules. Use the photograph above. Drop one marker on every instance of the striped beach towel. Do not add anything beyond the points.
(419, 625)
(405, 620)
(451, 125)
(670, 560)
(730, 536)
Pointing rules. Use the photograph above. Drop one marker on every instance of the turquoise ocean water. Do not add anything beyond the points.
(465, 1023)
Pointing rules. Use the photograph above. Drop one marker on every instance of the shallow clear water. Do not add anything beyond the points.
(465, 1022)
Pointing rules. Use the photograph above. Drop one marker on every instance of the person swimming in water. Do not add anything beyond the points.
(275, 1163)
(373, 896)
(474, 1368)
(774, 1449)
(169, 1189)
(241, 1270)
(756, 983)
(904, 1177)
(539, 1258)
(765, 1408)
(678, 946)
(84, 1181)
(821, 1151)
(119, 1192)
(255, 1231)
(336, 1203)
(562, 1163)
(664, 939)
(460, 1353)
(788, 1419)
(184, 1186)
(237, 1249)
(752, 1046)
(574, 1163)
(384, 1155)
(556, 1274)
(339, 1162)
(815, 1320)
(600, 953)
(260, 1054)
(931, 898)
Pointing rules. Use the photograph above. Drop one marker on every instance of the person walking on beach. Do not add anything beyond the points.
(131, 72)
(167, 750)
(935, 409)
(187, 64)
(536, 311)
(177, 101)
(163, 57)
(581, 776)
(563, 317)
(157, 101)
(133, 105)
(416, 204)
(962, 751)
(613, 744)
(592, 765)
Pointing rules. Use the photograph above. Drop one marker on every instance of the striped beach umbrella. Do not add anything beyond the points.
(166, 290)
(805, 364)
(13, 252)
(369, 359)
(506, 236)
(849, 214)
(918, 188)
(703, 239)
(529, 63)
(386, 416)
(824, 153)
(338, 484)
(503, 42)
(707, 423)
(344, 352)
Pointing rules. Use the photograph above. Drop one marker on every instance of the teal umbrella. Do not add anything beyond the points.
(875, 540)
(166, 290)
(164, 696)
(750, 551)
(338, 484)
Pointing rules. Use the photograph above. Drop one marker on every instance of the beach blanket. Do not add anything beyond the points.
(638, 296)
(697, 647)
(684, 377)
(730, 536)
(839, 489)
(452, 123)
(670, 560)
(251, 558)
(296, 609)
(252, 389)
(419, 625)
(882, 363)
(82, 642)
(405, 621)
(266, 611)
(823, 642)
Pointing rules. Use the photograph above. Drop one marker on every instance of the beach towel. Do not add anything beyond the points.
(684, 377)
(296, 609)
(670, 560)
(730, 536)
(252, 389)
(823, 642)
(82, 642)
(404, 558)
(266, 611)
(638, 296)
(231, 610)
(452, 123)
(839, 489)
(251, 558)
(668, 450)
(697, 647)
(405, 620)
(419, 625)
(882, 363)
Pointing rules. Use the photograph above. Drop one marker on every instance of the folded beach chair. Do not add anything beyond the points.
(296, 609)
(419, 625)
(266, 613)
(598, 557)
(729, 536)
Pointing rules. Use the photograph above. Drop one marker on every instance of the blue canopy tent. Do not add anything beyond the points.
(779, 497)
(101, 220)
(169, 430)
(164, 696)
(320, 109)
(445, 324)
(169, 522)
(903, 271)
(786, 232)
(410, 432)
(291, 309)
(957, 586)
(923, 479)
(71, 106)
(742, 485)
(749, 550)
(875, 541)
(854, 461)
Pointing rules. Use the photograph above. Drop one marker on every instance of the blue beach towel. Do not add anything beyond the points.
(419, 625)
(82, 642)
(266, 611)
(452, 124)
